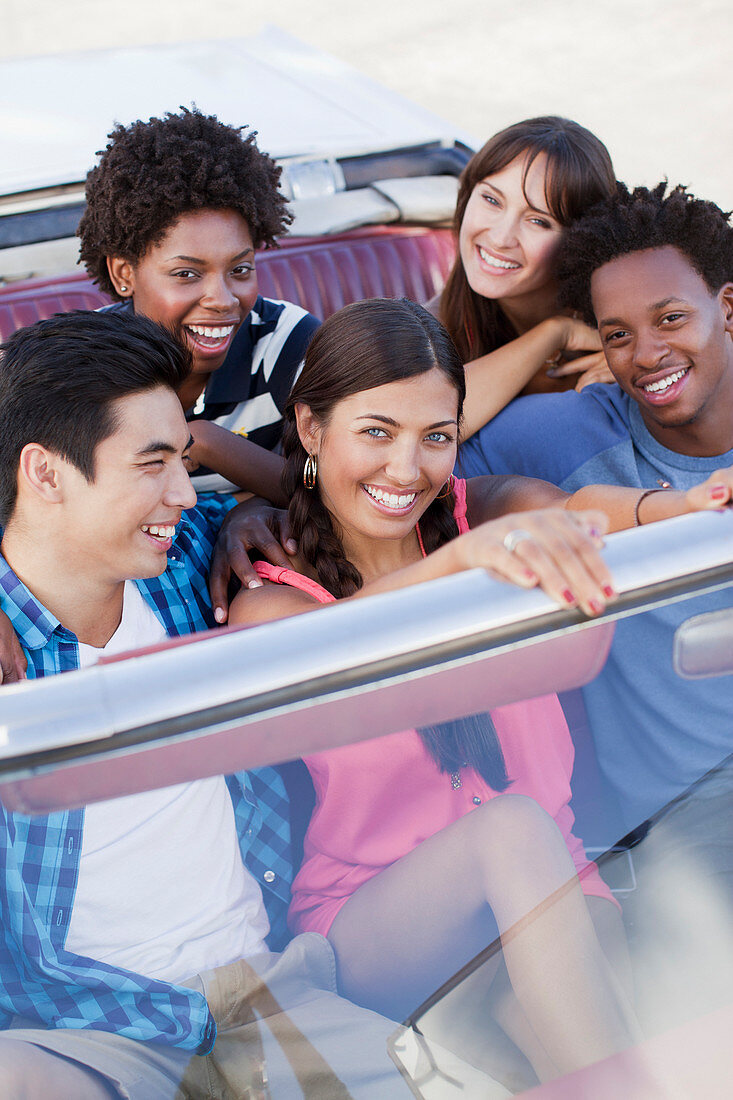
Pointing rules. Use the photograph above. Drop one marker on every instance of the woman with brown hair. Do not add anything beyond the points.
(516, 196)
(423, 843)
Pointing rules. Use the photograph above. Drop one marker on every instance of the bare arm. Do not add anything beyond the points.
(238, 460)
(625, 507)
(561, 556)
(493, 380)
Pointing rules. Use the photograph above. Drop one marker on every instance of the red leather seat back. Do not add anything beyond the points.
(322, 275)
(24, 303)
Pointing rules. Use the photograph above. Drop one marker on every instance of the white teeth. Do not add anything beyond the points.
(159, 532)
(665, 383)
(211, 332)
(493, 261)
(391, 500)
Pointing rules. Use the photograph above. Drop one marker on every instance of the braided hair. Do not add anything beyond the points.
(368, 344)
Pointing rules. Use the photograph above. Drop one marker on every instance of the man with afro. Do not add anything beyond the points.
(653, 269)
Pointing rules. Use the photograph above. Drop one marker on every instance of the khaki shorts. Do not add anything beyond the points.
(282, 1032)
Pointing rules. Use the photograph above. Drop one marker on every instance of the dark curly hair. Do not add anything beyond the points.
(153, 172)
(632, 221)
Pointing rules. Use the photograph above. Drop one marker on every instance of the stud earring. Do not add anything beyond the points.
(123, 288)
(310, 472)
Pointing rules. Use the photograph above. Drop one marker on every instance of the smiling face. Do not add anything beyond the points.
(667, 339)
(508, 237)
(120, 526)
(199, 281)
(384, 455)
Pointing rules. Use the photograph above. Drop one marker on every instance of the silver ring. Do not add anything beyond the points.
(512, 539)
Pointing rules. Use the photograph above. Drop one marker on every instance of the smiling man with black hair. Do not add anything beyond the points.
(127, 924)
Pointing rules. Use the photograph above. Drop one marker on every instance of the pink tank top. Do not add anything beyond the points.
(377, 800)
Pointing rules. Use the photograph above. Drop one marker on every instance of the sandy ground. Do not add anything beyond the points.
(649, 76)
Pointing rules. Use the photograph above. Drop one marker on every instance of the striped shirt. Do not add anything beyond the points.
(39, 855)
(248, 393)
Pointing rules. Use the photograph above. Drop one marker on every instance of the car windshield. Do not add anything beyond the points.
(453, 840)
(487, 654)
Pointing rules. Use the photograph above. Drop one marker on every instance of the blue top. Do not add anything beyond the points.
(655, 733)
(39, 855)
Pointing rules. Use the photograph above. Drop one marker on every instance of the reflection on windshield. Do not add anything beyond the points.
(517, 889)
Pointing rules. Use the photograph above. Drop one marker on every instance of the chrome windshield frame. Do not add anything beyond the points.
(243, 679)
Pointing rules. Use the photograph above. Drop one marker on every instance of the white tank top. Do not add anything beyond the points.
(162, 889)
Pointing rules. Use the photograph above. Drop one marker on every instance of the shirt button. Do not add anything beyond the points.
(476, 800)
(269, 876)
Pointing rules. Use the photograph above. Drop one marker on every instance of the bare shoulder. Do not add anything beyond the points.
(270, 602)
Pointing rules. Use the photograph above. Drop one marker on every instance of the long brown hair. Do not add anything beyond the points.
(364, 345)
(579, 174)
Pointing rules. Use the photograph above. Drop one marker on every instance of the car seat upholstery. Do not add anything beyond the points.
(321, 274)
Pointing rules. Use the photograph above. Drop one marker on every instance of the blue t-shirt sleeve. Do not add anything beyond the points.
(546, 435)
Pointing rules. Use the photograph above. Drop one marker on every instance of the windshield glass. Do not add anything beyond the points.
(516, 883)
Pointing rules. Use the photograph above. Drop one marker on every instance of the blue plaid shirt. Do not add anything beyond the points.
(39, 856)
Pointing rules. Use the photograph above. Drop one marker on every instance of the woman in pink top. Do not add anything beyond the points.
(422, 843)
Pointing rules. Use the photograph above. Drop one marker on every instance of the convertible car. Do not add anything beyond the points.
(373, 202)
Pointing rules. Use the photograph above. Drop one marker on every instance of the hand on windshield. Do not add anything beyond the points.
(252, 525)
(552, 548)
(13, 662)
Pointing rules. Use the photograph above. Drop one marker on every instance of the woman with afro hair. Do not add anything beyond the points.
(177, 208)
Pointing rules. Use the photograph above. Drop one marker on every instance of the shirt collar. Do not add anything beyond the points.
(33, 623)
(230, 384)
(650, 446)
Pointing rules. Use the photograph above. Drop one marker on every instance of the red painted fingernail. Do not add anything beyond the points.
(596, 606)
(719, 492)
(568, 596)
(529, 575)
(608, 591)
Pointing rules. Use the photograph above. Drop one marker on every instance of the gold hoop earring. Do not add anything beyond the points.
(449, 485)
(310, 472)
